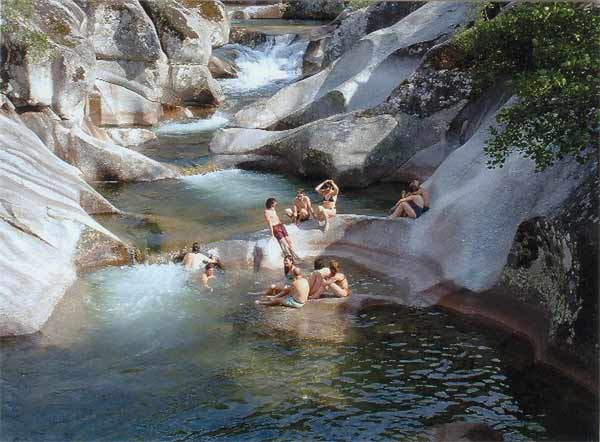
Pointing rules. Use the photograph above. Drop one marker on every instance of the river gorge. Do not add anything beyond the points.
(474, 322)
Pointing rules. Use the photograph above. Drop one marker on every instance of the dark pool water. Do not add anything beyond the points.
(143, 353)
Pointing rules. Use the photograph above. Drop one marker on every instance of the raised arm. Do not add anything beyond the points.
(336, 189)
(318, 188)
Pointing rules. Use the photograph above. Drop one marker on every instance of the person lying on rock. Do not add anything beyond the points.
(316, 281)
(337, 283)
(284, 289)
(414, 204)
(329, 191)
(195, 259)
(277, 228)
(298, 295)
(207, 275)
(302, 210)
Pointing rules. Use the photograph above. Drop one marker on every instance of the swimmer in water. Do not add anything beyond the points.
(195, 259)
(207, 275)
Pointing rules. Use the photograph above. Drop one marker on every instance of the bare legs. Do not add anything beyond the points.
(287, 247)
(324, 214)
(337, 291)
(403, 210)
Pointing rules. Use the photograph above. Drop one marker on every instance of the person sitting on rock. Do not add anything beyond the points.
(316, 281)
(208, 274)
(413, 205)
(302, 209)
(285, 289)
(329, 191)
(337, 283)
(278, 230)
(195, 259)
(298, 295)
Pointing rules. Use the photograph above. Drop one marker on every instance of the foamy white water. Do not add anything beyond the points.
(280, 58)
(215, 122)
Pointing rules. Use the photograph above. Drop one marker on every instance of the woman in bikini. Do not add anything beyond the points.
(329, 191)
(413, 205)
(285, 289)
(298, 295)
(337, 283)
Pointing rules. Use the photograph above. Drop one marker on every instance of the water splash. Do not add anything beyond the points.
(279, 58)
(218, 120)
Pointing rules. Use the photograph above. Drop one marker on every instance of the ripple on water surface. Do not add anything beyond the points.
(158, 358)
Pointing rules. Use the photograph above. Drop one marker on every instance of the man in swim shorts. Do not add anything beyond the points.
(298, 296)
(302, 209)
(277, 228)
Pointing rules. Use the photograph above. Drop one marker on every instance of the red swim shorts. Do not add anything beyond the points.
(279, 232)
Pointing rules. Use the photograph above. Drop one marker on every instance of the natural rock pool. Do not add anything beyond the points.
(144, 353)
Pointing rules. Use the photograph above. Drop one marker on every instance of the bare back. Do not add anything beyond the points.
(301, 289)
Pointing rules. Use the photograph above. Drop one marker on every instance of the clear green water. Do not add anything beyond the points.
(143, 353)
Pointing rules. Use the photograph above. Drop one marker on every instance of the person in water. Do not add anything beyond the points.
(286, 288)
(302, 209)
(298, 295)
(277, 228)
(337, 283)
(208, 274)
(316, 281)
(195, 259)
(329, 191)
(413, 205)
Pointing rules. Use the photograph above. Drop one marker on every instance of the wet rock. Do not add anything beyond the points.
(363, 77)
(466, 432)
(263, 12)
(58, 74)
(96, 250)
(194, 84)
(130, 136)
(222, 68)
(247, 37)
(41, 222)
(314, 56)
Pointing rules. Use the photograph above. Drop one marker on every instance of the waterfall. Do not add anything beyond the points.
(278, 59)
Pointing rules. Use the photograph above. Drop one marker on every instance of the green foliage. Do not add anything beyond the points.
(549, 56)
(13, 13)
(358, 4)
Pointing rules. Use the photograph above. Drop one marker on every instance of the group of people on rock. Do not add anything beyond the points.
(325, 279)
(297, 289)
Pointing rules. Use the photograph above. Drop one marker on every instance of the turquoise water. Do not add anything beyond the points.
(143, 353)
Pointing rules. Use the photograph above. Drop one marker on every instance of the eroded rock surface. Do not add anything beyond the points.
(41, 223)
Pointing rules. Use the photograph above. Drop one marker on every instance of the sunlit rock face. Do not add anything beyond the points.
(362, 77)
(41, 222)
(341, 147)
(93, 151)
(58, 74)
(188, 30)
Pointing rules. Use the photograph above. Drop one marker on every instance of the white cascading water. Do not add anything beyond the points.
(279, 58)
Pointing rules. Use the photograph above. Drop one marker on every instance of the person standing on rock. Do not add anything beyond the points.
(278, 230)
(302, 210)
(298, 296)
(329, 191)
